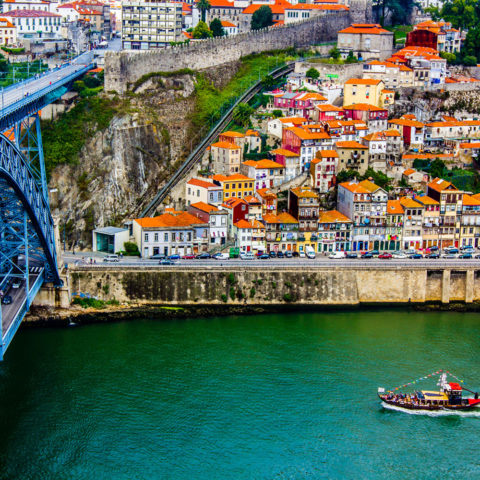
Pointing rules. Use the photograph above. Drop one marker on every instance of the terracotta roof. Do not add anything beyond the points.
(363, 106)
(426, 200)
(327, 153)
(354, 187)
(362, 81)
(469, 200)
(470, 145)
(370, 186)
(270, 218)
(230, 178)
(183, 219)
(266, 193)
(221, 4)
(284, 152)
(251, 224)
(232, 134)
(408, 171)
(438, 184)
(373, 29)
(252, 133)
(408, 202)
(350, 144)
(426, 156)
(205, 207)
(233, 202)
(201, 183)
(263, 164)
(4, 23)
(294, 120)
(304, 192)
(251, 200)
(278, 8)
(226, 145)
(394, 207)
(406, 122)
(227, 24)
(328, 108)
(306, 135)
(285, 217)
(333, 216)
(29, 14)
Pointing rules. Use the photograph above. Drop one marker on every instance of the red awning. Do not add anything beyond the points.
(455, 386)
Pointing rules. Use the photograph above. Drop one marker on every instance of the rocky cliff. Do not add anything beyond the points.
(121, 167)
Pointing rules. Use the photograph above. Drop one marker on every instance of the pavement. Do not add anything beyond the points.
(13, 94)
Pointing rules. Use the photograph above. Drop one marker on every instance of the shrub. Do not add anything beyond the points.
(131, 249)
(231, 278)
(232, 293)
(288, 297)
(288, 284)
(274, 284)
(277, 113)
(224, 298)
(252, 292)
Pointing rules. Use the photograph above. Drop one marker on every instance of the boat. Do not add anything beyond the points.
(448, 397)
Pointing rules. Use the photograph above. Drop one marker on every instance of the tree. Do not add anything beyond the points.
(351, 58)
(471, 47)
(399, 11)
(201, 31)
(449, 57)
(461, 14)
(241, 114)
(216, 28)
(277, 114)
(262, 18)
(334, 53)
(268, 82)
(203, 6)
(437, 168)
(312, 73)
(346, 175)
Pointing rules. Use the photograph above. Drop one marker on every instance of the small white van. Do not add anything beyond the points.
(337, 255)
(310, 252)
(111, 258)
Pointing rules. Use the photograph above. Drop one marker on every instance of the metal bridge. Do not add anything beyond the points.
(28, 255)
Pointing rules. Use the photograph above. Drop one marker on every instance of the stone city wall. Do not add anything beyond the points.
(124, 68)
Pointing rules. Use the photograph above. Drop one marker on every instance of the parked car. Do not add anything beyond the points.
(174, 257)
(188, 256)
(449, 256)
(375, 253)
(310, 252)
(351, 255)
(158, 256)
(467, 247)
(367, 255)
(265, 256)
(7, 300)
(273, 254)
(385, 255)
(434, 248)
(288, 254)
(247, 256)
(415, 256)
(477, 255)
(203, 256)
(280, 254)
(167, 261)
(337, 255)
(295, 253)
(433, 255)
(221, 256)
(259, 253)
(399, 255)
(451, 250)
(111, 258)
(302, 254)
(465, 255)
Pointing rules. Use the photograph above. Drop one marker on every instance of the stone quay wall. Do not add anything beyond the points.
(249, 285)
(124, 68)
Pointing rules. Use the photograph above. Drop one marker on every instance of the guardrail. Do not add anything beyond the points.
(213, 133)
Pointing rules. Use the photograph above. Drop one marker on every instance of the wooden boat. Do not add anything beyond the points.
(448, 397)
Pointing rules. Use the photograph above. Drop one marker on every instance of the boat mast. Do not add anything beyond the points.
(442, 381)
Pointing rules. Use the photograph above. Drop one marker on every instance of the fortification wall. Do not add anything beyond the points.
(276, 286)
(124, 68)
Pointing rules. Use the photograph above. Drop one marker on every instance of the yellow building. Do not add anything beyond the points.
(363, 90)
(236, 186)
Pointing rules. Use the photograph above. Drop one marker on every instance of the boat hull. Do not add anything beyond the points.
(430, 408)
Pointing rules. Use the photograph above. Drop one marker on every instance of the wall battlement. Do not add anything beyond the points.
(124, 68)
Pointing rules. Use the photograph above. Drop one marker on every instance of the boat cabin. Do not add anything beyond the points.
(432, 398)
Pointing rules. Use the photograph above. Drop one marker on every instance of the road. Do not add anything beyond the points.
(18, 91)
(320, 261)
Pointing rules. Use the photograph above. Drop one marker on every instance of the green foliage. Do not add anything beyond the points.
(437, 168)
(232, 293)
(203, 6)
(94, 302)
(351, 58)
(449, 57)
(231, 278)
(379, 178)
(242, 113)
(346, 175)
(217, 28)
(262, 18)
(64, 138)
(269, 82)
(148, 76)
(259, 281)
(461, 14)
(224, 298)
(131, 249)
(470, 60)
(334, 53)
(106, 289)
(288, 284)
(202, 31)
(274, 284)
(252, 292)
(313, 73)
(13, 51)
(288, 297)
(277, 114)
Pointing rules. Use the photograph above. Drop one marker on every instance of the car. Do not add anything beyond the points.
(273, 254)
(310, 252)
(166, 261)
(280, 255)
(451, 250)
(158, 256)
(111, 258)
(247, 256)
(477, 255)
(467, 247)
(351, 255)
(433, 255)
(337, 255)
(302, 254)
(465, 256)
(265, 256)
(399, 255)
(189, 256)
(174, 257)
(16, 284)
(433, 248)
(295, 254)
(385, 255)
(259, 253)
(367, 255)
(203, 256)
(221, 256)
(375, 253)
(288, 254)
(7, 300)
(415, 256)
(449, 256)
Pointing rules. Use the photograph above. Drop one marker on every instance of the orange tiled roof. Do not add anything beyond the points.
(362, 81)
(394, 207)
(408, 202)
(266, 193)
(406, 122)
(232, 134)
(205, 207)
(439, 184)
(354, 187)
(226, 145)
(327, 153)
(251, 224)
(333, 216)
(408, 171)
(262, 164)
(251, 200)
(426, 200)
(183, 219)
(350, 144)
(368, 185)
(470, 145)
(306, 135)
(230, 178)
(284, 152)
(227, 24)
(363, 106)
(373, 29)
(304, 192)
(470, 200)
(285, 217)
(201, 183)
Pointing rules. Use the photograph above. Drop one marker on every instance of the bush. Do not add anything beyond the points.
(231, 278)
(232, 293)
(277, 114)
(13, 51)
(334, 53)
(288, 297)
(252, 292)
(312, 73)
(224, 298)
(470, 61)
(131, 249)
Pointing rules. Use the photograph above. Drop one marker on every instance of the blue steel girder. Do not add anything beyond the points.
(20, 191)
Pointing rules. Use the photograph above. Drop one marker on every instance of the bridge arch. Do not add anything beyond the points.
(20, 191)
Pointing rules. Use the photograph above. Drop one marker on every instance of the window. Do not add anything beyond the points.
(146, 237)
(165, 237)
(155, 237)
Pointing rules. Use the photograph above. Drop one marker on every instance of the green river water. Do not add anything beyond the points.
(277, 396)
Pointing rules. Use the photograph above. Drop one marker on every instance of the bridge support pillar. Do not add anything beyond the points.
(469, 286)
(446, 286)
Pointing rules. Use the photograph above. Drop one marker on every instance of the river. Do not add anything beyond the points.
(287, 396)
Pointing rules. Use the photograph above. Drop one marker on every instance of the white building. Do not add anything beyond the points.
(197, 190)
(34, 21)
(218, 224)
(8, 32)
(229, 28)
